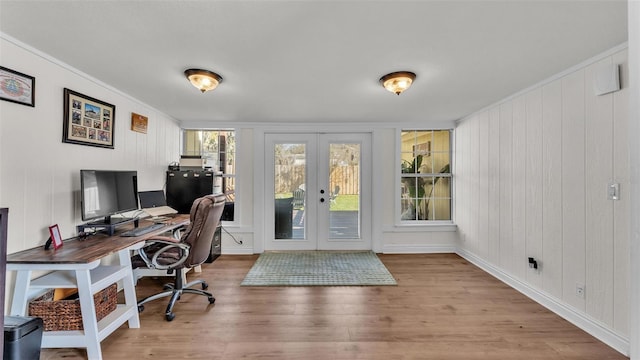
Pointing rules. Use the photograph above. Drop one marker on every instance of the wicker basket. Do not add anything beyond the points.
(62, 315)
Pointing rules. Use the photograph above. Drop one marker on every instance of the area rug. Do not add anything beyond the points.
(318, 268)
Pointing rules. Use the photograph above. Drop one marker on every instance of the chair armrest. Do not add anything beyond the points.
(177, 232)
(151, 258)
(159, 239)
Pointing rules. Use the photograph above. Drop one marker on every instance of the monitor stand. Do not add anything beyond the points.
(107, 224)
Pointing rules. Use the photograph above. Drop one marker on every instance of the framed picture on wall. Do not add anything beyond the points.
(17, 87)
(139, 123)
(87, 121)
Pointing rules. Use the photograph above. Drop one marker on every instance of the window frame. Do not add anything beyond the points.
(224, 176)
(399, 175)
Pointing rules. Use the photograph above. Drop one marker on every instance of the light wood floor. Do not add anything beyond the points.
(443, 308)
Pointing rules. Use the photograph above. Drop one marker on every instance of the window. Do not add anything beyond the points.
(218, 148)
(425, 179)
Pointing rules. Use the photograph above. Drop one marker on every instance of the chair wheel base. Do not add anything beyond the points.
(170, 316)
(212, 300)
(140, 308)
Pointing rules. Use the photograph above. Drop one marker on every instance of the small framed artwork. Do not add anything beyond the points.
(56, 238)
(139, 123)
(423, 149)
(17, 87)
(87, 121)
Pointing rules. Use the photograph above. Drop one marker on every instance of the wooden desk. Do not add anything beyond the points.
(77, 265)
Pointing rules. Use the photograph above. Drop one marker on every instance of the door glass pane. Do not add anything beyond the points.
(344, 195)
(289, 190)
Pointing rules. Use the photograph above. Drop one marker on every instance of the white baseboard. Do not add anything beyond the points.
(237, 252)
(592, 326)
(418, 249)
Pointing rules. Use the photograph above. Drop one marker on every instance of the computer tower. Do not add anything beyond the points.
(183, 187)
(216, 245)
(227, 213)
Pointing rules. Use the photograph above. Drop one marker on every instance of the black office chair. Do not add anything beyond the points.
(192, 249)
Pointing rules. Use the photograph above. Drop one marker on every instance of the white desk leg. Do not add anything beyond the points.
(20, 293)
(89, 319)
(129, 288)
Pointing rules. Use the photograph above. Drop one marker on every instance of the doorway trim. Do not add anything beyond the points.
(379, 147)
(317, 177)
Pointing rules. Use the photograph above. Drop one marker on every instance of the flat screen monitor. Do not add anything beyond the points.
(107, 192)
(153, 198)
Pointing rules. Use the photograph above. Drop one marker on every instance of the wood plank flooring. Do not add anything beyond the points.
(443, 308)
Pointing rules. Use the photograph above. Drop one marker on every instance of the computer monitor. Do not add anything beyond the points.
(154, 203)
(104, 193)
(151, 199)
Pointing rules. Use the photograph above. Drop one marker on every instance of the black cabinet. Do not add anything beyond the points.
(183, 187)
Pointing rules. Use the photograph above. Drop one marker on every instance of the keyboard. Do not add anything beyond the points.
(142, 230)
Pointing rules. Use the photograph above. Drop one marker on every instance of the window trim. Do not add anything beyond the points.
(399, 223)
(237, 136)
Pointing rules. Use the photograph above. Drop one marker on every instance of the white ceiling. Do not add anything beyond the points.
(318, 60)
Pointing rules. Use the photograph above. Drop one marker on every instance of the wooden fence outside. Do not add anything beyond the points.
(289, 178)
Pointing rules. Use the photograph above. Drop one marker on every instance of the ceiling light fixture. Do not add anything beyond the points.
(203, 80)
(398, 81)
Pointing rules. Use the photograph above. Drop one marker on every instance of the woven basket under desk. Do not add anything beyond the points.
(63, 315)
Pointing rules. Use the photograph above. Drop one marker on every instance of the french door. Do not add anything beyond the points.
(317, 191)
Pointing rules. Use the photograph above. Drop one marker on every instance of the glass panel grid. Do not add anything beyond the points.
(425, 180)
(217, 148)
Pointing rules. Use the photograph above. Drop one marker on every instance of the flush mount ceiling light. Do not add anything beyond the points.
(398, 81)
(203, 80)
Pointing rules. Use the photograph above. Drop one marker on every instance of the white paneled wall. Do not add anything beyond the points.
(573, 186)
(40, 175)
(506, 241)
(551, 255)
(531, 181)
(621, 209)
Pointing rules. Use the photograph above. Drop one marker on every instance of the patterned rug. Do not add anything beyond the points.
(318, 268)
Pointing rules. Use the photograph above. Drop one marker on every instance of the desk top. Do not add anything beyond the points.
(94, 247)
